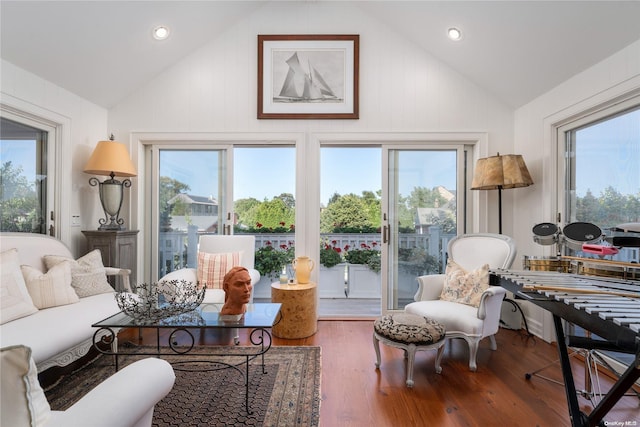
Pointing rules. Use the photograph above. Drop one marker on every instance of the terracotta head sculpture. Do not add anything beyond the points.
(237, 291)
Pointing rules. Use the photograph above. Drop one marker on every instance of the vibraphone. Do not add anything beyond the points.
(608, 308)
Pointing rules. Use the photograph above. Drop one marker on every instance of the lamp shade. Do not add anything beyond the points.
(110, 157)
(502, 172)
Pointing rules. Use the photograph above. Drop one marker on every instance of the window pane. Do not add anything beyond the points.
(423, 211)
(264, 181)
(350, 235)
(605, 174)
(189, 204)
(23, 178)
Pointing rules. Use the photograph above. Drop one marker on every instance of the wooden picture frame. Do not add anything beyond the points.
(308, 76)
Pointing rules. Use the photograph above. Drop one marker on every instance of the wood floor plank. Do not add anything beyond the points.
(355, 393)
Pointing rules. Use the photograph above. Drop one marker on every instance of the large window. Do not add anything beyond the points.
(603, 172)
(602, 175)
(23, 177)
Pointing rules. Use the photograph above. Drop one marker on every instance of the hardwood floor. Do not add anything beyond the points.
(354, 393)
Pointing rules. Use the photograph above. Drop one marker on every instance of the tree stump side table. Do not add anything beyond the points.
(298, 314)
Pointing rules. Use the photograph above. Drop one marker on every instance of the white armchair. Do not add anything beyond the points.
(470, 251)
(219, 244)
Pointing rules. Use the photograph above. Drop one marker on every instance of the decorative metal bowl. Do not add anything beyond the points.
(149, 303)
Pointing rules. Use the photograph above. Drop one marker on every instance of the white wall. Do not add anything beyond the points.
(82, 124)
(534, 139)
(402, 88)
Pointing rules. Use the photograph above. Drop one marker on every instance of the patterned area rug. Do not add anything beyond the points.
(288, 394)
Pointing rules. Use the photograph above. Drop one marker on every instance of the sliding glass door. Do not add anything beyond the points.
(223, 189)
(422, 212)
(189, 201)
(386, 217)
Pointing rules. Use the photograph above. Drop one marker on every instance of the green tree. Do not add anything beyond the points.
(612, 204)
(422, 197)
(18, 200)
(245, 211)
(168, 189)
(373, 208)
(347, 211)
(274, 214)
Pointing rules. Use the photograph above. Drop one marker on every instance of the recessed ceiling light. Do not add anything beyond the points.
(454, 33)
(160, 33)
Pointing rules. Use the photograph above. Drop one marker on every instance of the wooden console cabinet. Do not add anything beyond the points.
(119, 249)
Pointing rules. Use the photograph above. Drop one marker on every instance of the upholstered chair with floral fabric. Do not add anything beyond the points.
(461, 299)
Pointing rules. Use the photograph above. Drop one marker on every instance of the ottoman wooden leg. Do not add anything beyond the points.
(411, 357)
(376, 347)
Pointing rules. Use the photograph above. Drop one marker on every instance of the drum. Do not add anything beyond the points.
(592, 269)
(545, 233)
(577, 233)
(546, 264)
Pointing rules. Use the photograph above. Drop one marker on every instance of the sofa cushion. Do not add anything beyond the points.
(213, 267)
(462, 286)
(55, 330)
(23, 400)
(88, 275)
(50, 289)
(15, 301)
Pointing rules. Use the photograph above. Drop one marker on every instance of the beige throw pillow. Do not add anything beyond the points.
(88, 275)
(464, 287)
(23, 400)
(15, 301)
(50, 289)
(212, 268)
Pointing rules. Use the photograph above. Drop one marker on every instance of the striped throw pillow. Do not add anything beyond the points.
(213, 267)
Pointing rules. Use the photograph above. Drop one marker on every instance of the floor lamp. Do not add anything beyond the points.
(498, 173)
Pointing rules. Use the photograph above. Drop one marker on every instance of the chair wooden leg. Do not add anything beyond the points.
(492, 340)
(473, 351)
(439, 355)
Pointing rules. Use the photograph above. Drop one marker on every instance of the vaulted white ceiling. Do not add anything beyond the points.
(516, 50)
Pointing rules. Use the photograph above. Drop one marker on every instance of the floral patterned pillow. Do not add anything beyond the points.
(464, 287)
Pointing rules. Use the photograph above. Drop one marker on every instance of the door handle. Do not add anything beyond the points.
(386, 234)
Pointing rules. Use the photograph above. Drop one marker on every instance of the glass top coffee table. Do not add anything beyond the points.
(259, 318)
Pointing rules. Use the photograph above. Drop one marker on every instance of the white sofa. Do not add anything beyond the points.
(125, 399)
(58, 335)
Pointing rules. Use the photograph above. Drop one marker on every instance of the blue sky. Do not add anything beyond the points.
(267, 172)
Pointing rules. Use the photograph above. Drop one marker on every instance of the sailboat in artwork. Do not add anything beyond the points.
(300, 85)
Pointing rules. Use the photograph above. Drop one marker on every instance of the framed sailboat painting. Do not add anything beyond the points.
(308, 76)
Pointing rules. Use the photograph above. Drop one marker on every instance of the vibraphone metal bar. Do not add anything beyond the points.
(608, 308)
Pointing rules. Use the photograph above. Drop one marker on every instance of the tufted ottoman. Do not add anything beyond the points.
(411, 333)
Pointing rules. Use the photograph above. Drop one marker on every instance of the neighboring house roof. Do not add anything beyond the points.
(190, 199)
(204, 223)
(424, 215)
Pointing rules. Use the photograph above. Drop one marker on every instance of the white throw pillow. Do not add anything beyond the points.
(15, 301)
(213, 267)
(88, 275)
(23, 400)
(50, 289)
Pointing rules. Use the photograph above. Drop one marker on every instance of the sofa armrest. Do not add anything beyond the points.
(255, 275)
(124, 272)
(127, 398)
(429, 287)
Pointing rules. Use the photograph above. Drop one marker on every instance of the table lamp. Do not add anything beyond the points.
(110, 158)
